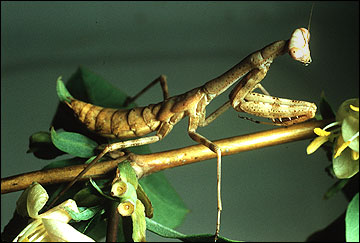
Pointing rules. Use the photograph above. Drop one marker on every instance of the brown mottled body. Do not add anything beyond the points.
(138, 121)
(161, 117)
(121, 123)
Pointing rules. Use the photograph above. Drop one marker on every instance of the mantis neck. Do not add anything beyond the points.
(219, 84)
(257, 59)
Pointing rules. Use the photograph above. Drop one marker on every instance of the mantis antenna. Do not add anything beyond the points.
(311, 11)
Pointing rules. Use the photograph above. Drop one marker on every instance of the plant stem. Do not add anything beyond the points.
(113, 222)
(150, 163)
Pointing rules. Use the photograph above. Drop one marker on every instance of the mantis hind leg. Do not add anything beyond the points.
(164, 88)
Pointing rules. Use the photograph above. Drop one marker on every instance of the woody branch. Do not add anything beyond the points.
(150, 163)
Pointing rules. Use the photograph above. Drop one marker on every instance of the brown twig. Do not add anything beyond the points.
(151, 163)
(113, 222)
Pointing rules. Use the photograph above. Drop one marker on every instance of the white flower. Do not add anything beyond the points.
(345, 139)
(51, 225)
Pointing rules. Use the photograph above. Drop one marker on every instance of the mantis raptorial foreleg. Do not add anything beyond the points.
(281, 111)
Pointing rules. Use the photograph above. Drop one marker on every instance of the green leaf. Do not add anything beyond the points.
(90, 87)
(73, 143)
(62, 92)
(100, 191)
(162, 230)
(169, 209)
(352, 220)
(130, 194)
(166, 232)
(87, 197)
(149, 210)
(127, 173)
(40, 137)
(84, 213)
(139, 224)
(94, 228)
(41, 146)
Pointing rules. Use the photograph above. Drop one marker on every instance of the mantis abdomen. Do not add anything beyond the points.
(120, 123)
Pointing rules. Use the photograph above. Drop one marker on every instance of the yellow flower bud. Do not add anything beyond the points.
(118, 188)
(126, 208)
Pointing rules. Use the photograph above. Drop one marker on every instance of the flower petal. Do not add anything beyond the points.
(344, 166)
(348, 114)
(59, 212)
(316, 143)
(341, 148)
(320, 132)
(350, 131)
(24, 235)
(345, 109)
(36, 199)
(59, 231)
(354, 108)
(354, 155)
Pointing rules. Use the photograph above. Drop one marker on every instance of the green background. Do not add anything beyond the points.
(272, 194)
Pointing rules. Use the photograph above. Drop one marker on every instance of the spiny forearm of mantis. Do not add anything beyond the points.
(161, 117)
(155, 162)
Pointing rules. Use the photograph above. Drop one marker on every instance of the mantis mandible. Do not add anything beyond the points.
(161, 117)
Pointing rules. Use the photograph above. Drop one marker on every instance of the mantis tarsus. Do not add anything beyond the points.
(161, 117)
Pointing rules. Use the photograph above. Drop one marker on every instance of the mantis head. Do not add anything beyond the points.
(299, 46)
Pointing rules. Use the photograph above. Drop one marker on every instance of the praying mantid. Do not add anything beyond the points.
(160, 118)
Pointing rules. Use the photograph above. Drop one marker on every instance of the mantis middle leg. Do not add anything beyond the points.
(193, 124)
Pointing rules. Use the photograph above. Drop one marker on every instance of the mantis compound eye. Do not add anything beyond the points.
(299, 46)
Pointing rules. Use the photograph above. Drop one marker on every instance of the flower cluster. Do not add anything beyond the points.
(50, 226)
(345, 138)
